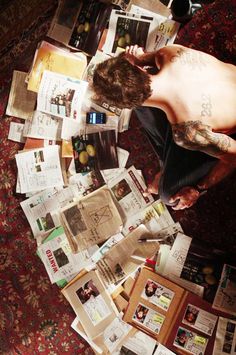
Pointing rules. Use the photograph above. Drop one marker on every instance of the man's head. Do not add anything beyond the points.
(120, 83)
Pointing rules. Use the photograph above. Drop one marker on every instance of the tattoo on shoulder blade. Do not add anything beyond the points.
(206, 105)
(195, 135)
(195, 60)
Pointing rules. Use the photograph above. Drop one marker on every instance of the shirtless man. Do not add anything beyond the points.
(196, 91)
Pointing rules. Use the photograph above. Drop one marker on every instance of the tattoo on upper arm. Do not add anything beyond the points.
(195, 135)
(206, 106)
(186, 57)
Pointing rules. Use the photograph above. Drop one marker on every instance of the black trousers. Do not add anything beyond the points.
(180, 167)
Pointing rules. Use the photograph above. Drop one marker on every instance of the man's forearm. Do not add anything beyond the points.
(220, 171)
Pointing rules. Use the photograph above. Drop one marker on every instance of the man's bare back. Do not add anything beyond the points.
(197, 93)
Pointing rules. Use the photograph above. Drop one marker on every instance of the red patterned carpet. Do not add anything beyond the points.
(34, 317)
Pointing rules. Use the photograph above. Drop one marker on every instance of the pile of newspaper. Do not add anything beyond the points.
(87, 211)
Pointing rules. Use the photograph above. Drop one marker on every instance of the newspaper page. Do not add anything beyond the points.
(21, 101)
(225, 341)
(42, 209)
(123, 156)
(166, 31)
(57, 60)
(61, 95)
(162, 350)
(137, 344)
(225, 298)
(16, 132)
(87, 182)
(39, 169)
(175, 262)
(91, 220)
(189, 341)
(155, 217)
(58, 258)
(128, 190)
(43, 126)
(64, 20)
(125, 256)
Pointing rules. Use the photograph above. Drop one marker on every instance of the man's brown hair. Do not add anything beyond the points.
(120, 83)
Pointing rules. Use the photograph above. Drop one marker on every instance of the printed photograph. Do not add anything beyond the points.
(157, 294)
(95, 151)
(60, 257)
(87, 292)
(140, 313)
(45, 223)
(227, 348)
(39, 157)
(74, 220)
(191, 314)
(130, 32)
(230, 327)
(60, 104)
(121, 189)
(182, 337)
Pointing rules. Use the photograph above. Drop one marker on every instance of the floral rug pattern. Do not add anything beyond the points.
(34, 316)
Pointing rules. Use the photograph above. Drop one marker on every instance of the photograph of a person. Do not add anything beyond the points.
(182, 337)
(87, 292)
(61, 103)
(60, 257)
(191, 314)
(121, 189)
(140, 313)
(74, 220)
(39, 157)
(157, 294)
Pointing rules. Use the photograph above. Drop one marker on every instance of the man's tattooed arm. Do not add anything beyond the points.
(195, 135)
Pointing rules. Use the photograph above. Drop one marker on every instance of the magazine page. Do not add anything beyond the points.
(61, 95)
(95, 151)
(16, 132)
(91, 22)
(91, 220)
(91, 302)
(57, 60)
(165, 32)
(128, 190)
(42, 209)
(225, 298)
(126, 28)
(121, 259)
(152, 5)
(64, 20)
(191, 342)
(39, 169)
(58, 258)
(21, 102)
(225, 341)
(43, 126)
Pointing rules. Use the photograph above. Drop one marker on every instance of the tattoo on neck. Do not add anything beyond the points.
(206, 106)
(195, 135)
(186, 57)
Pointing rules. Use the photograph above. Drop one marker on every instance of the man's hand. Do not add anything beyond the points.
(185, 198)
(153, 187)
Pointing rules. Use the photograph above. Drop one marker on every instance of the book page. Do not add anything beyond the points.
(21, 102)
